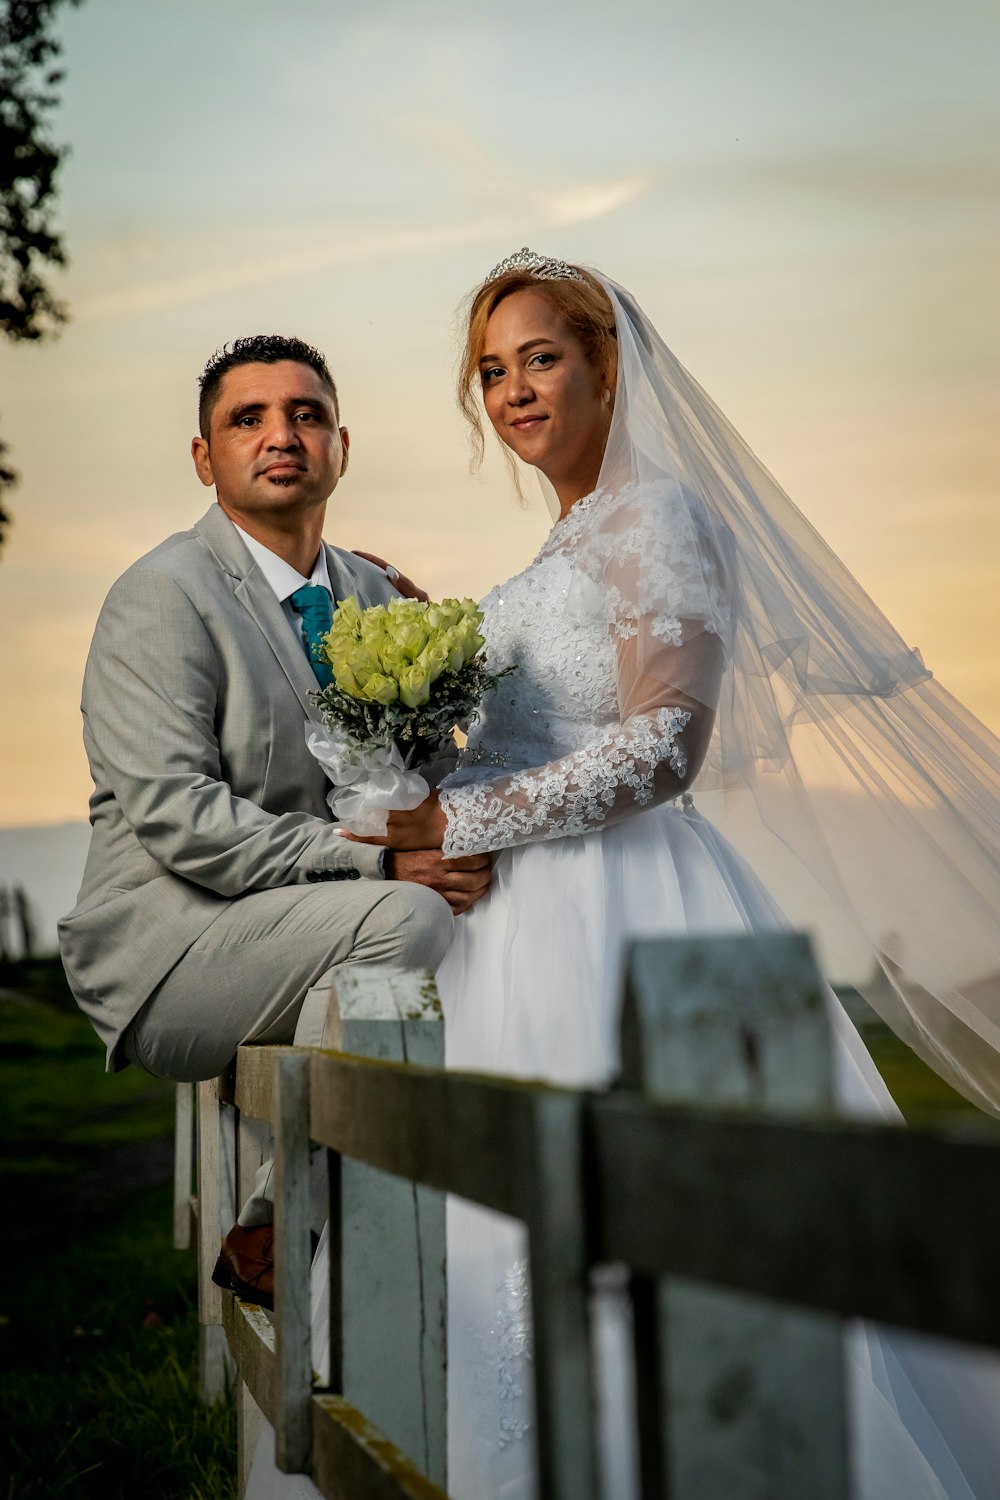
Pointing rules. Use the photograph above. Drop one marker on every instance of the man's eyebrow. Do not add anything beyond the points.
(317, 402)
(251, 408)
(487, 359)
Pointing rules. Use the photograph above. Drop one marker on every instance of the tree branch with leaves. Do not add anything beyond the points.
(30, 245)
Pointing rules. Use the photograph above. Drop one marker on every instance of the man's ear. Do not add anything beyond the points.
(345, 438)
(202, 460)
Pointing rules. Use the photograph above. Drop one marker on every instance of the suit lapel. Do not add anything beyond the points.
(255, 594)
(341, 580)
(257, 597)
(344, 581)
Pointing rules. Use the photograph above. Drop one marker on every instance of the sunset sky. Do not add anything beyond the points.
(804, 197)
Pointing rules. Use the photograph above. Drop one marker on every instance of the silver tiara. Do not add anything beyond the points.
(541, 267)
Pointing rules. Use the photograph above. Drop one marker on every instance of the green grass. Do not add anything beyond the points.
(924, 1098)
(98, 1322)
(78, 1106)
(98, 1352)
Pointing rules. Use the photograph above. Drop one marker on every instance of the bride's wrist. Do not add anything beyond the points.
(437, 821)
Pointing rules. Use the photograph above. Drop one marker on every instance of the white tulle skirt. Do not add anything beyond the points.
(531, 987)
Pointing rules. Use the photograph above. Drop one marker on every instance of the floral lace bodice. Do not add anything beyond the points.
(590, 726)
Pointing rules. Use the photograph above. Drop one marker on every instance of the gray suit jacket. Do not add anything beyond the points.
(194, 702)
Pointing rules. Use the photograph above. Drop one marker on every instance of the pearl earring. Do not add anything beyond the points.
(607, 395)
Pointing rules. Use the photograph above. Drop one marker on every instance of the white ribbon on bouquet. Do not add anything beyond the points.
(369, 782)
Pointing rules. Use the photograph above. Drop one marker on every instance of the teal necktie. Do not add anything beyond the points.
(312, 603)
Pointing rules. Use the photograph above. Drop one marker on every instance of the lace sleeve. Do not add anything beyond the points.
(620, 771)
(663, 599)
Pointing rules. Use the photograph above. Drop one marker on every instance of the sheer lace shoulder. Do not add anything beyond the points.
(656, 557)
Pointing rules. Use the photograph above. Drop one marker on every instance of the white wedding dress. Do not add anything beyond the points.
(565, 785)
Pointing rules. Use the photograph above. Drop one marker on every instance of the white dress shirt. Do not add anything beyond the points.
(284, 579)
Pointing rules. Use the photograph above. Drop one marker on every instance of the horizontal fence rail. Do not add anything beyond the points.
(897, 1226)
(834, 1215)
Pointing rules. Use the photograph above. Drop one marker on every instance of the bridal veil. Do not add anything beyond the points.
(831, 739)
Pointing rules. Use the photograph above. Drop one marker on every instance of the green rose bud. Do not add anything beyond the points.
(394, 659)
(343, 676)
(433, 659)
(411, 637)
(414, 686)
(373, 635)
(442, 616)
(452, 642)
(379, 689)
(347, 615)
(337, 641)
(467, 638)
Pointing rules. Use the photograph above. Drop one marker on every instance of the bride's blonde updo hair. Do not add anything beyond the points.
(580, 301)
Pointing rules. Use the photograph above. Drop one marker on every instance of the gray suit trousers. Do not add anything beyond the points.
(246, 978)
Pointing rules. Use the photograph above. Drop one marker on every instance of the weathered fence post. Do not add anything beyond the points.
(292, 1305)
(254, 1146)
(557, 1243)
(387, 1237)
(183, 1163)
(737, 1397)
(214, 1359)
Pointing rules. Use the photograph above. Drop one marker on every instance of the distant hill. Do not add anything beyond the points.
(48, 861)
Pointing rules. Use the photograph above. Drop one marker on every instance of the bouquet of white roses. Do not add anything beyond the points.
(404, 674)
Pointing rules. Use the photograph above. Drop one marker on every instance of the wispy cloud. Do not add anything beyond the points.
(539, 209)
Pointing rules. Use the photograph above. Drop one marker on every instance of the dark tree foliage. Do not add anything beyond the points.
(29, 243)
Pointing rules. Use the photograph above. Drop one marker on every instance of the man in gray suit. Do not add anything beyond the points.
(217, 891)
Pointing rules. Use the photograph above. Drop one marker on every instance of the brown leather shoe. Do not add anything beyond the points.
(246, 1264)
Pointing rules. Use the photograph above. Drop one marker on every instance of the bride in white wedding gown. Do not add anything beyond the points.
(682, 628)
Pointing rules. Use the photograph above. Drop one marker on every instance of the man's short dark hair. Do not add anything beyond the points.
(256, 349)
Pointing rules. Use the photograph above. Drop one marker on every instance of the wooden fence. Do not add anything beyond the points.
(753, 1221)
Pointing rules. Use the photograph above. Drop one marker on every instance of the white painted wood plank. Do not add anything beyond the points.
(250, 1334)
(209, 1202)
(249, 1085)
(292, 1256)
(249, 1424)
(750, 1397)
(183, 1163)
(389, 1276)
(355, 1461)
(215, 1365)
(557, 1231)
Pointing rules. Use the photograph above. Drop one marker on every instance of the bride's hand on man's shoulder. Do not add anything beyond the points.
(399, 580)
